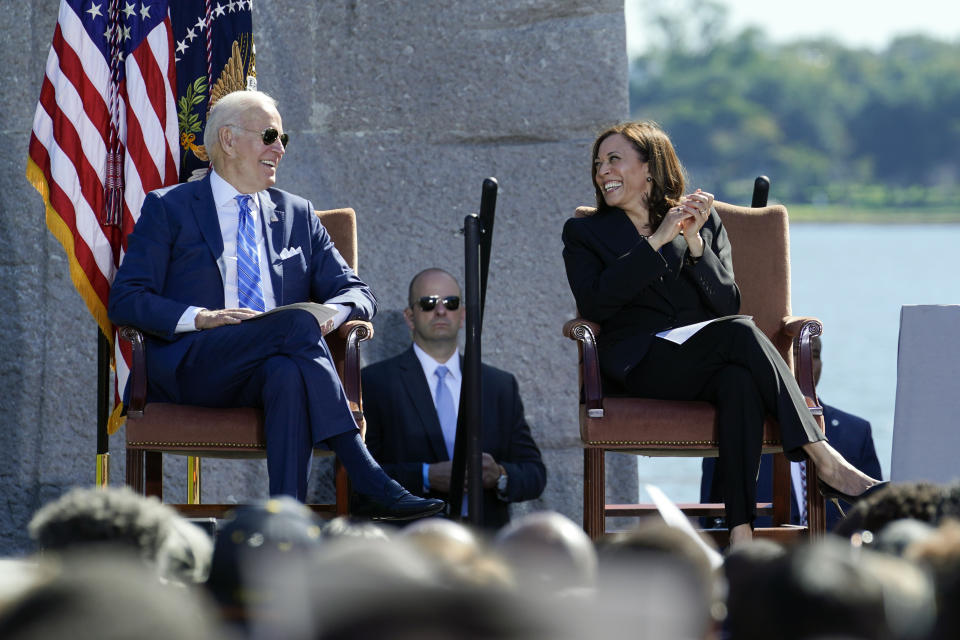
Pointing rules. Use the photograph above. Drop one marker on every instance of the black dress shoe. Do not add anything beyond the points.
(830, 493)
(405, 507)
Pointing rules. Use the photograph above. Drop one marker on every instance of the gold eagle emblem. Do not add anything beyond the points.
(234, 75)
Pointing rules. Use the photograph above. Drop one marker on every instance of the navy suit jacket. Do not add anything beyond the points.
(175, 260)
(403, 430)
(848, 434)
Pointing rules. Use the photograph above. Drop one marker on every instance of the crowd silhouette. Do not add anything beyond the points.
(113, 564)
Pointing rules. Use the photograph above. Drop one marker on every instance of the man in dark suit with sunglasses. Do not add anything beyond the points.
(204, 262)
(410, 404)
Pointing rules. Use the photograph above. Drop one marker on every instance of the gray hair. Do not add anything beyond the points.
(225, 111)
(117, 516)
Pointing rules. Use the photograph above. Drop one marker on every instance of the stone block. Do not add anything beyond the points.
(397, 109)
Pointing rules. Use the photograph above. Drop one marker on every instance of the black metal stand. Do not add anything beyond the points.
(467, 450)
(761, 191)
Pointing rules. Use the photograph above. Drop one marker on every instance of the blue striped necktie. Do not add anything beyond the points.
(249, 289)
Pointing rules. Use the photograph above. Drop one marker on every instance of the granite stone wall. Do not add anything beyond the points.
(399, 110)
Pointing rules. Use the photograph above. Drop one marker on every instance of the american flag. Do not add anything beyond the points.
(104, 134)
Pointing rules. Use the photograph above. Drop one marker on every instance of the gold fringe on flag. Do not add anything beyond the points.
(64, 236)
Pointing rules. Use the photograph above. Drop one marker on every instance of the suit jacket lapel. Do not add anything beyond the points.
(616, 231)
(415, 385)
(205, 212)
(276, 233)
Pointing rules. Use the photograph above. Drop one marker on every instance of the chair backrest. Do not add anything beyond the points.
(341, 224)
(760, 241)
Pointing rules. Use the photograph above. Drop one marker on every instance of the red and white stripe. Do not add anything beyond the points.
(68, 149)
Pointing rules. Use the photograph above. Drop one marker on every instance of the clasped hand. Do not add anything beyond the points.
(440, 472)
(686, 218)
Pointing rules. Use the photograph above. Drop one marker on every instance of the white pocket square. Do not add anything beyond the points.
(289, 253)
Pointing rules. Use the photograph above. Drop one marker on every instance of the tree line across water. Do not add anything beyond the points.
(832, 126)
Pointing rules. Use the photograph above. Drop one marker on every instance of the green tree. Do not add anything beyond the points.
(827, 122)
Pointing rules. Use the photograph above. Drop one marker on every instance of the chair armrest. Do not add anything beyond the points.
(585, 333)
(570, 328)
(363, 329)
(353, 333)
(793, 325)
(138, 371)
(801, 329)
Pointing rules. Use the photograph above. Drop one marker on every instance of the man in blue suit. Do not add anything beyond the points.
(848, 434)
(204, 262)
(411, 410)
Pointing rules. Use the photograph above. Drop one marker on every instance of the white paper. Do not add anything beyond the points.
(321, 312)
(672, 515)
(680, 335)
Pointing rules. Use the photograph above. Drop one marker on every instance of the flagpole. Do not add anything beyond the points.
(103, 410)
(112, 214)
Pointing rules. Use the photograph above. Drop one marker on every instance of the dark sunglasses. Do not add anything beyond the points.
(429, 303)
(268, 135)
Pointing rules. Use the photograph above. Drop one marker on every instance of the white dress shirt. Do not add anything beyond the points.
(228, 214)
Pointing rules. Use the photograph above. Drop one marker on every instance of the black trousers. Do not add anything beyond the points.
(733, 365)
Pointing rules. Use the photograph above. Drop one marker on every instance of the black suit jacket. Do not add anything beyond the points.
(403, 430)
(848, 434)
(633, 292)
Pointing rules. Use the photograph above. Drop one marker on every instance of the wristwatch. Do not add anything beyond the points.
(502, 484)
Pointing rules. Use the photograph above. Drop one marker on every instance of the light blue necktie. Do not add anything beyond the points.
(446, 412)
(249, 289)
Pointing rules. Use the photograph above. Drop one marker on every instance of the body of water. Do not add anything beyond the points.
(855, 278)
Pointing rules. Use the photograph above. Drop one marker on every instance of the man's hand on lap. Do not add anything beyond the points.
(207, 319)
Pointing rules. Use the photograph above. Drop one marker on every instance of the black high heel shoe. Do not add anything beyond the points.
(835, 495)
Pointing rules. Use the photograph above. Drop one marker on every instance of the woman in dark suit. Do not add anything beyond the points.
(652, 259)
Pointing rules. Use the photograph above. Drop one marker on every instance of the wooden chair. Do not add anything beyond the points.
(155, 428)
(642, 426)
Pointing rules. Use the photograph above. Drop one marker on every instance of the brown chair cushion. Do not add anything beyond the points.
(174, 428)
(661, 427)
(233, 432)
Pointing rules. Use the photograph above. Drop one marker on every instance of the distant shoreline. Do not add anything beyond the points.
(878, 215)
